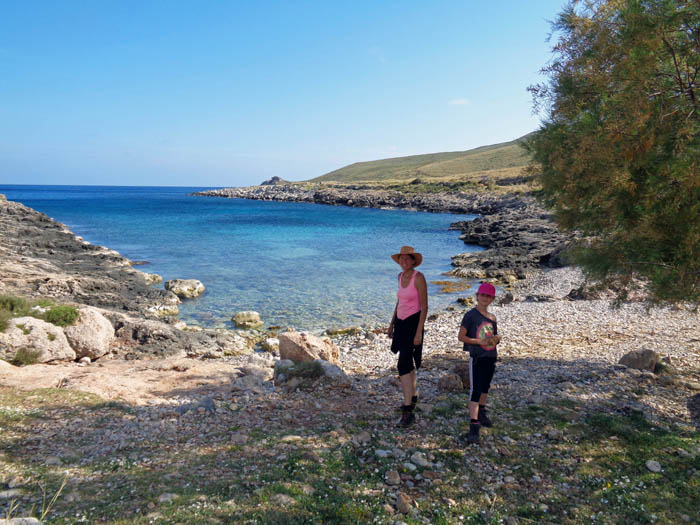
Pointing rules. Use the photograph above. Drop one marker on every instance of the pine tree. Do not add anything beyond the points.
(618, 153)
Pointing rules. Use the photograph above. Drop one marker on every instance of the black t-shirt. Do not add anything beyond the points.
(479, 327)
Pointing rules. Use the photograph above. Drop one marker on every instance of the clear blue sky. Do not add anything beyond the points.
(229, 93)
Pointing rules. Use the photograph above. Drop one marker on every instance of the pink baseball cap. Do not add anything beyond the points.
(487, 289)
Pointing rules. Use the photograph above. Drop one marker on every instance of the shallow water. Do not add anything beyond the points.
(304, 265)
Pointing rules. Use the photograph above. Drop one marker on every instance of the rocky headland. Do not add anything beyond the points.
(518, 237)
(42, 258)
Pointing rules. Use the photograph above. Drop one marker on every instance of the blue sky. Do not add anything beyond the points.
(229, 93)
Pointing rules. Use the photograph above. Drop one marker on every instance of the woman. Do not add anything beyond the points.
(406, 327)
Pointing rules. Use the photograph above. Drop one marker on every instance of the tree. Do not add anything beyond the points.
(618, 152)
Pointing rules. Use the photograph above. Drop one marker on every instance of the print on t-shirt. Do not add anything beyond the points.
(485, 331)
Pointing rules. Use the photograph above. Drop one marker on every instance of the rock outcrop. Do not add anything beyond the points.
(40, 257)
(38, 340)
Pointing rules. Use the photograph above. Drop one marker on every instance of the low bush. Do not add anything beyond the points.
(61, 315)
(25, 356)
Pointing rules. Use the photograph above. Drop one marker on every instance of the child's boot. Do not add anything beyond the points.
(407, 416)
(473, 436)
(484, 418)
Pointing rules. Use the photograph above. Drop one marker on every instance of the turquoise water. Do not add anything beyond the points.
(300, 265)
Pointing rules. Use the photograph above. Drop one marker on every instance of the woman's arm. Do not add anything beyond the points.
(422, 288)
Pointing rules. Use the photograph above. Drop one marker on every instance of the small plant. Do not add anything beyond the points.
(61, 315)
(25, 356)
(4, 320)
(306, 370)
(52, 337)
(25, 330)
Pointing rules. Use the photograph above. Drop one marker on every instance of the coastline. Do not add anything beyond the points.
(164, 395)
(518, 236)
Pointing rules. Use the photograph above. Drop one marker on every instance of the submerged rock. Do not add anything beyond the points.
(247, 320)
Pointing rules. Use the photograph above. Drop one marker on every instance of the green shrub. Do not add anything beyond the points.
(61, 315)
(25, 356)
(17, 306)
(4, 320)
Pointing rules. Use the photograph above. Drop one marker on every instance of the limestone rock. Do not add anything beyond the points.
(251, 383)
(403, 503)
(92, 334)
(392, 478)
(152, 278)
(47, 341)
(303, 346)
(332, 371)
(247, 320)
(462, 370)
(270, 344)
(264, 373)
(187, 288)
(641, 360)
(450, 382)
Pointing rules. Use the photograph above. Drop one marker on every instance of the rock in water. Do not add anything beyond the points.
(187, 288)
(247, 320)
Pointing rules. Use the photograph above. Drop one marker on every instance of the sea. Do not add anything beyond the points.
(300, 265)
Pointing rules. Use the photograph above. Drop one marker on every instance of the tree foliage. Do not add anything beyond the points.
(618, 153)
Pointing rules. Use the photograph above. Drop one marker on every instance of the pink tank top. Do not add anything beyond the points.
(409, 301)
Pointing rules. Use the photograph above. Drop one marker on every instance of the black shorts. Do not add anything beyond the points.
(480, 375)
(410, 355)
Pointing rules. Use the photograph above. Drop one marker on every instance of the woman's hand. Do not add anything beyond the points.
(418, 339)
(390, 330)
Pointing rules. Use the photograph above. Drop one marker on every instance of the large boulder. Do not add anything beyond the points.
(247, 320)
(92, 334)
(187, 288)
(303, 346)
(641, 360)
(35, 339)
(450, 382)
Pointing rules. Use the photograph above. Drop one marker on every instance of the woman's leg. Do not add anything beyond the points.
(408, 386)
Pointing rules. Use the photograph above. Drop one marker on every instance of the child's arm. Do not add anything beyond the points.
(462, 337)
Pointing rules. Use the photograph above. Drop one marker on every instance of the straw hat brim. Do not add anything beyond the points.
(416, 256)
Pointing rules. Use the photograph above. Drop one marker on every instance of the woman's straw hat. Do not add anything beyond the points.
(408, 250)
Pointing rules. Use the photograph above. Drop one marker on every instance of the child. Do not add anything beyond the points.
(479, 333)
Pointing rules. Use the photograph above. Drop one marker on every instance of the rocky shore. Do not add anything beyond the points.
(42, 258)
(517, 235)
(156, 430)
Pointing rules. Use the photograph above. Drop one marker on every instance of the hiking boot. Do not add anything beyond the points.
(473, 436)
(407, 417)
(414, 402)
(484, 418)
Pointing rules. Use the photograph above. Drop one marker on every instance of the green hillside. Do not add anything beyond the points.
(505, 159)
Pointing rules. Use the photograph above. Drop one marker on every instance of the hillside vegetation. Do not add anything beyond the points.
(499, 164)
